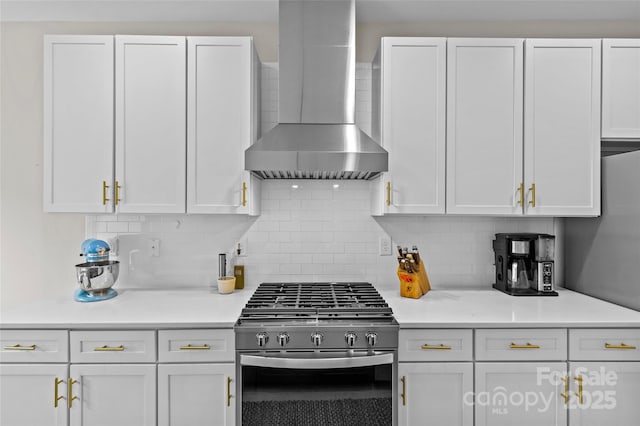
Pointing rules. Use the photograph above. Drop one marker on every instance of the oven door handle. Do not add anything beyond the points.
(316, 363)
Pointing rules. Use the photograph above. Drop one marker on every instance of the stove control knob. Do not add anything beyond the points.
(350, 337)
(372, 338)
(316, 338)
(262, 339)
(283, 339)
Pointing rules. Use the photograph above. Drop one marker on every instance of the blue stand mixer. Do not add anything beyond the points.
(98, 274)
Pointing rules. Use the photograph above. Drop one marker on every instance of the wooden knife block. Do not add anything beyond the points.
(414, 284)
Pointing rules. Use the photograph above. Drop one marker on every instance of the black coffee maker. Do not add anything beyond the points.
(524, 264)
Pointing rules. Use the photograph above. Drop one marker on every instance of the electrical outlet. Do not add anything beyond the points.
(153, 247)
(384, 248)
(241, 248)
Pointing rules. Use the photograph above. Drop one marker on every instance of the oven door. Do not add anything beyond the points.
(323, 388)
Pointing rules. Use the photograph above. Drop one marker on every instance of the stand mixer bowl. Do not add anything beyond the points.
(97, 277)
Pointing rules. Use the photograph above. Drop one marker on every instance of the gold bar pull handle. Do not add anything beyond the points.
(527, 346)
(532, 201)
(388, 193)
(106, 348)
(620, 346)
(70, 396)
(117, 195)
(56, 392)
(579, 393)
(244, 194)
(191, 347)
(229, 391)
(104, 192)
(441, 346)
(565, 394)
(521, 191)
(403, 379)
(19, 347)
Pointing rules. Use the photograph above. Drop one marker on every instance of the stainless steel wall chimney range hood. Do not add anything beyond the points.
(316, 137)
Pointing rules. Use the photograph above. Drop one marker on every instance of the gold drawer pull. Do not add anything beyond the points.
(565, 394)
(106, 348)
(440, 347)
(244, 194)
(56, 392)
(527, 346)
(580, 388)
(228, 391)
(204, 347)
(403, 379)
(620, 346)
(19, 347)
(70, 396)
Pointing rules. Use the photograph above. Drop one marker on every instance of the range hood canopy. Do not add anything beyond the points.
(317, 137)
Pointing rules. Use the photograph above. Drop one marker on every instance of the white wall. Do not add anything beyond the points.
(38, 250)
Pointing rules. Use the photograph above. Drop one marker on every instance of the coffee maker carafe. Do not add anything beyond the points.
(525, 264)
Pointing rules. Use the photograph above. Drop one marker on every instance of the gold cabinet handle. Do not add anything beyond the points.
(70, 396)
(579, 393)
(565, 394)
(117, 195)
(527, 346)
(441, 346)
(106, 348)
(521, 191)
(620, 346)
(403, 379)
(244, 194)
(56, 392)
(228, 391)
(533, 195)
(104, 192)
(189, 347)
(19, 347)
(388, 193)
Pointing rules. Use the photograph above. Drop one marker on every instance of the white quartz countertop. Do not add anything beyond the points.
(205, 308)
(493, 309)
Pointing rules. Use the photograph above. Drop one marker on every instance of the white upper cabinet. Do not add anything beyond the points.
(621, 88)
(150, 99)
(223, 90)
(409, 89)
(78, 123)
(562, 127)
(484, 125)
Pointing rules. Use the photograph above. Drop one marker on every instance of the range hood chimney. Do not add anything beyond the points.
(316, 137)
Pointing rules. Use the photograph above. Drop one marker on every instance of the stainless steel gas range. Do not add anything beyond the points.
(316, 354)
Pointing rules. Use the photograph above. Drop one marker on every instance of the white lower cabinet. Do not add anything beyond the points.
(33, 394)
(112, 394)
(196, 394)
(520, 393)
(436, 394)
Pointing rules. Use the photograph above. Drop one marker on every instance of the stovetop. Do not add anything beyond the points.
(326, 315)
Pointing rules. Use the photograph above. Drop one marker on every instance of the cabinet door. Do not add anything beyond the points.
(109, 394)
(28, 394)
(413, 124)
(523, 394)
(609, 393)
(484, 126)
(78, 123)
(435, 394)
(151, 124)
(196, 394)
(621, 88)
(221, 95)
(562, 127)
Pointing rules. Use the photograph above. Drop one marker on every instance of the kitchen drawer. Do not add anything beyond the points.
(620, 344)
(34, 346)
(113, 346)
(521, 344)
(196, 345)
(435, 345)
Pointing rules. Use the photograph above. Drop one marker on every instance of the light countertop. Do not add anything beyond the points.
(205, 308)
(493, 309)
